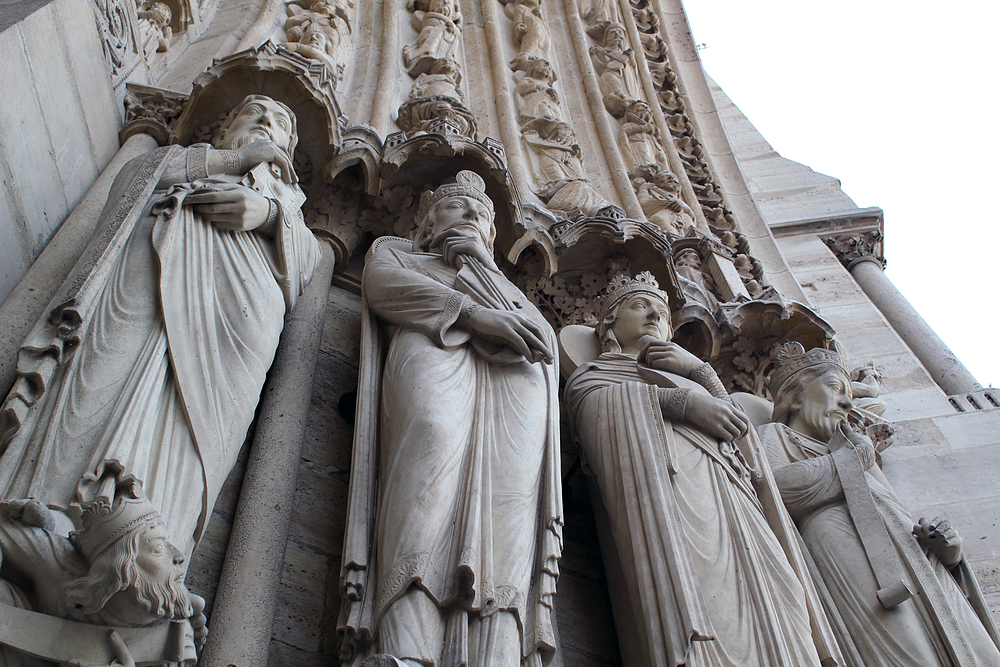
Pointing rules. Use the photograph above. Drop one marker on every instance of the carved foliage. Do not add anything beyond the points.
(117, 25)
(853, 248)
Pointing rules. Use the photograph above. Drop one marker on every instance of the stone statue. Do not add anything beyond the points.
(536, 98)
(566, 189)
(695, 283)
(901, 600)
(436, 96)
(658, 191)
(439, 27)
(118, 569)
(454, 517)
(706, 562)
(614, 60)
(322, 32)
(154, 28)
(598, 12)
(154, 353)
(530, 31)
(639, 138)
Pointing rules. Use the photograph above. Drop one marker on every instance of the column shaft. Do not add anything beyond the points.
(945, 368)
(240, 625)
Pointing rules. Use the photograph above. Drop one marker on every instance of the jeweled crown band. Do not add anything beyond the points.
(792, 358)
(621, 287)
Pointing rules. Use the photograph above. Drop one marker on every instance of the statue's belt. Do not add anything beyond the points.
(879, 548)
(63, 641)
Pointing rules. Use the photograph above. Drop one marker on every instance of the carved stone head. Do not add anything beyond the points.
(632, 308)
(136, 574)
(811, 390)
(462, 205)
(259, 117)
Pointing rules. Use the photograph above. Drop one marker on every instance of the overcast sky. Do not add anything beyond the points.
(898, 101)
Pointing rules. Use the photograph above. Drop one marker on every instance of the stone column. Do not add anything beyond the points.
(29, 299)
(862, 255)
(240, 625)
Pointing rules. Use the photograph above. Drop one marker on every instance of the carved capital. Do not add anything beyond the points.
(852, 249)
(151, 111)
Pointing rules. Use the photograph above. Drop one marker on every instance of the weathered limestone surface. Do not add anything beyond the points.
(59, 122)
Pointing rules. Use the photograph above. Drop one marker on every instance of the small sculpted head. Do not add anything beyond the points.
(614, 37)
(811, 390)
(633, 308)
(138, 579)
(461, 206)
(688, 257)
(135, 575)
(256, 118)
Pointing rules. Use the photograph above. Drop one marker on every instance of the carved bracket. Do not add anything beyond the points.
(852, 249)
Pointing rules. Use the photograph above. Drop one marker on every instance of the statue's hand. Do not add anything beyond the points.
(266, 151)
(29, 513)
(669, 357)
(717, 418)
(456, 243)
(862, 445)
(941, 538)
(512, 329)
(230, 206)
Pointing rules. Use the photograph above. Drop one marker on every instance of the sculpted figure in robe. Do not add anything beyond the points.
(536, 98)
(322, 32)
(658, 192)
(902, 593)
(439, 27)
(614, 61)
(530, 31)
(639, 138)
(153, 355)
(706, 577)
(566, 190)
(454, 517)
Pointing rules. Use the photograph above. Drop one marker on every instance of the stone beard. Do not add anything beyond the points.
(177, 327)
(708, 583)
(937, 626)
(466, 531)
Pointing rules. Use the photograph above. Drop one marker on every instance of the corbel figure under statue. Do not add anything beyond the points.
(152, 356)
(705, 558)
(900, 594)
(455, 510)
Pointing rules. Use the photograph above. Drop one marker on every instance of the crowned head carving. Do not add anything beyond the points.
(461, 206)
(257, 118)
(811, 390)
(136, 575)
(632, 308)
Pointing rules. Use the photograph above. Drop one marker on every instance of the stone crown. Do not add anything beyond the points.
(621, 287)
(792, 359)
(104, 521)
(467, 184)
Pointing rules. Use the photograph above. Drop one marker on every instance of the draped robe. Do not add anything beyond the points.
(463, 498)
(938, 626)
(707, 582)
(155, 351)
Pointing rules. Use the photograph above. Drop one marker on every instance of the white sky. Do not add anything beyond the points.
(898, 100)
